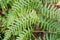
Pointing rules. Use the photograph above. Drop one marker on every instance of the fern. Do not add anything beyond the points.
(26, 21)
(23, 15)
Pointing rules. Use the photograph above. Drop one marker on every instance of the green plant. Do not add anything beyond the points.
(30, 20)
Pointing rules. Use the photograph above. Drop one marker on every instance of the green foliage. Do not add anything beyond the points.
(21, 17)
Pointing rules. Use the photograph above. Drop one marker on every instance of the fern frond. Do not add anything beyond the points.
(24, 35)
(24, 13)
(23, 23)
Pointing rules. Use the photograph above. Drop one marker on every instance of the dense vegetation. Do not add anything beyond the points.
(29, 20)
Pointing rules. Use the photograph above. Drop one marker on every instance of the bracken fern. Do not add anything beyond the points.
(25, 14)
